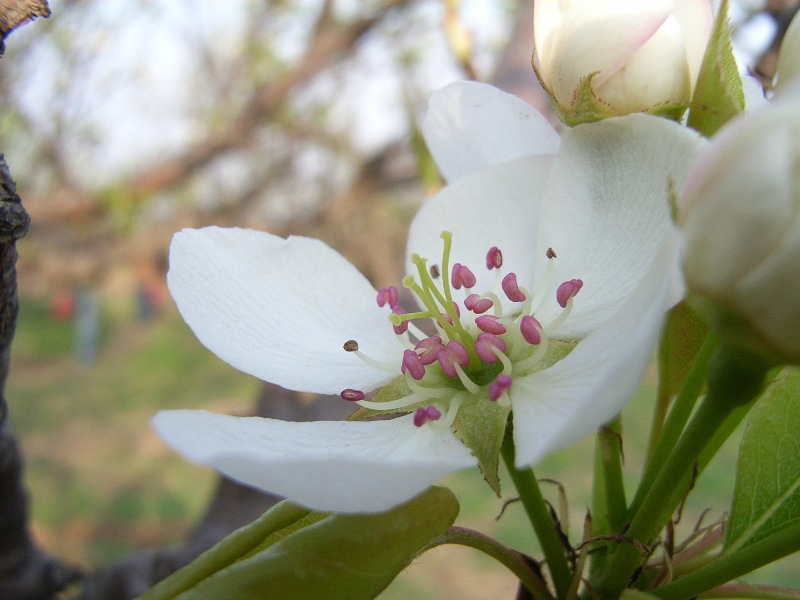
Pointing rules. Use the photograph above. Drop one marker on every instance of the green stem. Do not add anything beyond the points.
(733, 380)
(511, 559)
(757, 592)
(610, 441)
(678, 417)
(532, 500)
(732, 566)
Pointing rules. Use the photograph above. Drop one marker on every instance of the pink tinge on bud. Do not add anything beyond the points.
(478, 304)
(388, 296)
(494, 258)
(567, 290)
(499, 386)
(490, 324)
(428, 413)
(454, 353)
(485, 346)
(531, 330)
(403, 327)
(457, 309)
(461, 276)
(428, 349)
(352, 395)
(412, 365)
(511, 288)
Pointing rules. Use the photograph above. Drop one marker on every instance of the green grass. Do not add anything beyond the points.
(103, 484)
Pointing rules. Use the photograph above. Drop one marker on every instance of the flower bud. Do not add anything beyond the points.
(601, 58)
(789, 57)
(740, 216)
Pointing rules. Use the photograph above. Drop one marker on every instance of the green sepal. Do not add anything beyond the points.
(718, 94)
(766, 497)
(684, 334)
(336, 557)
(481, 424)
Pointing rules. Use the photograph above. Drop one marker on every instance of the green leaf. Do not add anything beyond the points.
(718, 95)
(481, 425)
(241, 542)
(340, 557)
(767, 494)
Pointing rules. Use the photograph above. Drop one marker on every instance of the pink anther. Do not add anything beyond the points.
(428, 348)
(352, 395)
(486, 345)
(499, 386)
(478, 304)
(388, 296)
(491, 324)
(568, 290)
(511, 288)
(494, 258)
(461, 276)
(428, 413)
(412, 365)
(403, 327)
(531, 329)
(454, 353)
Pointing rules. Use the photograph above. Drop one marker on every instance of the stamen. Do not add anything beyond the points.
(454, 353)
(463, 277)
(428, 348)
(494, 258)
(568, 290)
(523, 366)
(352, 395)
(412, 365)
(485, 345)
(490, 324)
(499, 386)
(423, 415)
(531, 329)
(434, 271)
(452, 410)
(478, 304)
(388, 295)
(544, 285)
(350, 346)
(511, 288)
(471, 386)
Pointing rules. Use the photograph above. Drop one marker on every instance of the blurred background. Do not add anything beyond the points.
(126, 121)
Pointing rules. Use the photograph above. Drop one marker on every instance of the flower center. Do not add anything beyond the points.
(473, 347)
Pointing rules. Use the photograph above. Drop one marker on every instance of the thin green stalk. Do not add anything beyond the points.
(733, 380)
(756, 592)
(678, 417)
(532, 500)
(511, 559)
(732, 566)
(610, 441)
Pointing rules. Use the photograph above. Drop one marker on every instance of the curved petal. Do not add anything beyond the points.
(472, 125)
(497, 206)
(329, 466)
(281, 309)
(608, 210)
(556, 407)
(696, 18)
(601, 37)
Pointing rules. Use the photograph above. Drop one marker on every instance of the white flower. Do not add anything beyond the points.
(740, 215)
(587, 234)
(635, 56)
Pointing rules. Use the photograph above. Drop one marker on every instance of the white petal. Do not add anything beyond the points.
(607, 211)
(556, 407)
(473, 125)
(281, 309)
(497, 206)
(329, 466)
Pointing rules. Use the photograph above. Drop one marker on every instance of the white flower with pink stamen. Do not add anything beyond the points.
(541, 276)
